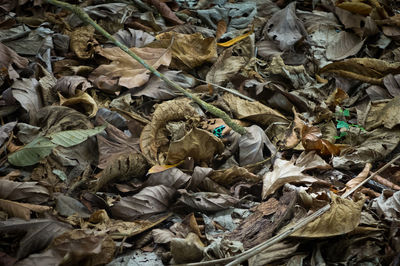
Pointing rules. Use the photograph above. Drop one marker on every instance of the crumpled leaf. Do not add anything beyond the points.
(188, 50)
(343, 217)
(76, 247)
(5, 131)
(312, 140)
(82, 41)
(251, 146)
(129, 72)
(356, 7)
(284, 172)
(10, 59)
(285, 27)
(133, 38)
(27, 93)
(149, 201)
(26, 191)
(68, 85)
(392, 84)
(239, 15)
(374, 146)
(207, 201)
(154, 136)
(232, 175)
(157, 89)
(172, 177)
(388, 115)
(368, 70)
(39, 233)
(388, 204)
(82, 101)
(187, 250)
(199, 144)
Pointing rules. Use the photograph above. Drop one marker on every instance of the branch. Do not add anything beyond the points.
(210, 108)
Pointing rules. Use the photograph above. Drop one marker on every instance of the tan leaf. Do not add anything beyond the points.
(232, 175)
(221, 29)
(82, 101)
(358, 179)
(129, 72)
(253, 111)
(21, 210)
(356, 7)
(82, 41)
(343, 217)
(369, 70)
(199, 144)
(312, 141)
(188, 50)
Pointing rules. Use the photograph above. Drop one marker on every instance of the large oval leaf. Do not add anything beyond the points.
(32, 153)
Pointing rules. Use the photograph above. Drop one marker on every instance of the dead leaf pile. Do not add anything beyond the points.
(102, 163)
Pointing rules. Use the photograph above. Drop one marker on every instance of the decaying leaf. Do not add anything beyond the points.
(23, 191)
(207, 201)
(187, 250)
(81, 101)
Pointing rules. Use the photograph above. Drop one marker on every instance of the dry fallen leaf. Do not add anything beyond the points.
(126, 70)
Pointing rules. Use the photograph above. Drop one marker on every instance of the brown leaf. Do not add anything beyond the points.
(358, 179)
(253, 111)
(343, 217)
(188, 50)
(368, 70)
(346, 44)
(27, 93)
(82, 101)
(149, 201)
(10, 59)
(21, 210)
(68, 85)
(82, 41)
(26, 191)
(199, 144)
(356, 7)
(207, 201)
(187, 250)
(221, 29)
(312, 141)
(165, 11)
(39, 233)
(129, 72)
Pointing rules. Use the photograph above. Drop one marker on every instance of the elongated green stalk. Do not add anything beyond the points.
(212, 109)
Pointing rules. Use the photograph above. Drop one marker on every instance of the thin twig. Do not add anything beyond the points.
(210, 108)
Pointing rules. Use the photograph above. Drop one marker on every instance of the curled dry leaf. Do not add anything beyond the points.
(154, 135)
(312, 141)
(21, 210)
(187, 250)
(82, 101)
(232, 175)
(129, 72)
(82, 41)
(68, 85)
(284, 172)
(199, 144)
(359, 178)
(387, 205)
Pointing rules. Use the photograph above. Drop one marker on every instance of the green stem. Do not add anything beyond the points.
(212, 109)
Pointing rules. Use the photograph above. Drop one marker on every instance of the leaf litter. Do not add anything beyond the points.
(102, 162)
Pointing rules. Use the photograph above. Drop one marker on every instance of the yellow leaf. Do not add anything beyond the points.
(237, 39)
(161, 168)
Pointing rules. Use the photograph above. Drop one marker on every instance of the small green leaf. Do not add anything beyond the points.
(71, 138)
(342, 134)
(346, 112)
(342, 124)
(32, 153)
(60, 174)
